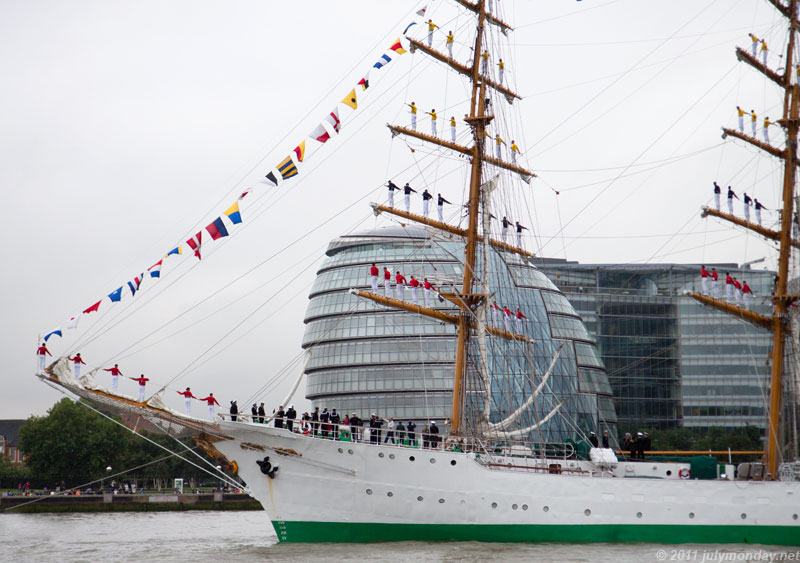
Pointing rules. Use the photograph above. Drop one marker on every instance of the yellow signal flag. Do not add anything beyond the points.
(350, 99)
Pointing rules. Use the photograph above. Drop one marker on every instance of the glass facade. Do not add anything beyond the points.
(670, 360)
(369, 358)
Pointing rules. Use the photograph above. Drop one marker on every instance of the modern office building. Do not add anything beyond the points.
(367, 358)
(670, 360)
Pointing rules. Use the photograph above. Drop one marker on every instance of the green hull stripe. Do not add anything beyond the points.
(378, 532)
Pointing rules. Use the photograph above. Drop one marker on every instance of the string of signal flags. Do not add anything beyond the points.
(285, 170)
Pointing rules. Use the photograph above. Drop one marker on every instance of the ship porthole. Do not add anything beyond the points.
(794, 516)
(390, 494)
(514, 507)
(494, 505)
(341, 451)
(587, 512)
(419, 499)
(638, 514)
(544, 508)
(524, 507)
(433, 460)
(452, 462)
(744, 515)
(380, 454)
(391, 456)
(369, 491)
(669, 472)
(411, 458)
(350, 452)
(441, 501)
(691, 515)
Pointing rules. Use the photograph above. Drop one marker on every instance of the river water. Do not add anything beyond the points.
(248, 536)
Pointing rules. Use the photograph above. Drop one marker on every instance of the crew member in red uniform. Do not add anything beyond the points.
(520, 318)
(738, 293)
(142, 381)
(506, 316)
(211, 402)
(115, 373)
(187, 399)
(715, 283)
(496, 310)
(399, 292)
(77, 361)
(42, 352)
(704, 275)
(414, 283)
(428, 286)
(373, 274)
(387, 282)
(746, 293)
(728, 286)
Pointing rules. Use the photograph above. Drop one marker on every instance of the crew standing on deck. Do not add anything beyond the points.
(717, 195)
(413, 111)
(234, 410)
(426, 198)
(432, 113)
(42, 352)
(211, 401)
(373, 276)
(759, 207)
(440, 201)
(77, 361)
(142, 380)
(262, 413)
(747, 202)
(392, 187)
(115, 373)
(407, 196)
(187, 399)
(731, 195)
(291, 415)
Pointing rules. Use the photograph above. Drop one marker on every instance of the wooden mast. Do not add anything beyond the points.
(781, 299)
(478, 120)
(790, 122)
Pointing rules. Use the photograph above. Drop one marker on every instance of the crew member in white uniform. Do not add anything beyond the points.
(413, 110)
(432, 113)
(77, 361)
(717, 194)
(731, 195)
(426, 197)
(747, 203)
(414, 283)
(428, 287)
(407, 196)
(440, 206)
(453, 128)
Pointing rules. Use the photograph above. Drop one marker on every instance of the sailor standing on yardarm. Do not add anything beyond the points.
(747, 203)
(759, 207)
(387, 282)
(440, 206)
(407, 196)
(115, 373)
(717, 195)
(187, 399)
(373, 275)
(426, 197)
(78, 361)
(519, 234)
(42, 352)
(731, 195)
(392, 187)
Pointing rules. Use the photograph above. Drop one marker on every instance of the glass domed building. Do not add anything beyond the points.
(365, 357)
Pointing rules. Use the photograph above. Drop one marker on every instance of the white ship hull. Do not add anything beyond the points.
(326, 490)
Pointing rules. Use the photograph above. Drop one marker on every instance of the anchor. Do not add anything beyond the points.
(266, 467)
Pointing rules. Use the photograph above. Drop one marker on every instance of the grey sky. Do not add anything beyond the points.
(126, 126)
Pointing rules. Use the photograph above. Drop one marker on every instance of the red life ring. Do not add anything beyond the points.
(684, 473)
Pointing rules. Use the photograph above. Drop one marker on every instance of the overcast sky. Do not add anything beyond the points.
(126, 126)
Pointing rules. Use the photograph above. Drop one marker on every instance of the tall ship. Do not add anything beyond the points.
(525, 384)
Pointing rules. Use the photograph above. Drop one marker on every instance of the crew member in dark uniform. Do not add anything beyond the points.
(335, 420)
(593, 439)
(605, 439)
(279, 416)
(291, 415)
(426, 197)
(440, 206)
(407, 196)
(324, 418)
(261, 413)
(506, 225)
(434, 430)
(717, 195)
(254, 413)
(646, 444)
(520, 228)
(412, 437)
(392, 187)
(315, 422)
(234, 410)
(355, 427)
(375, 424)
